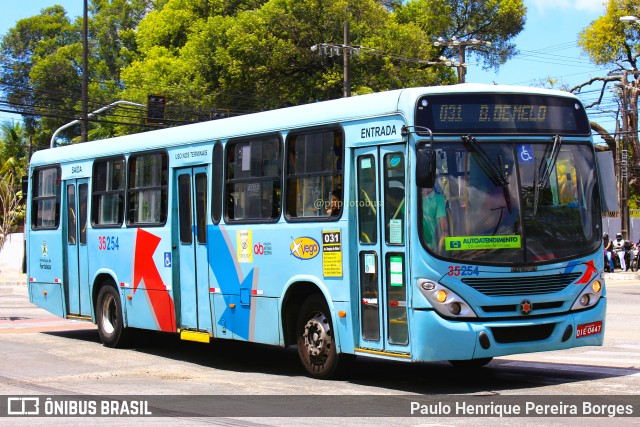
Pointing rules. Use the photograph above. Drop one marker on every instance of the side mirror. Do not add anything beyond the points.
(425, 167)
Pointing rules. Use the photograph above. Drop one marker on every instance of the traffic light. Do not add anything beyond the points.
(155, 109)
(219, 114)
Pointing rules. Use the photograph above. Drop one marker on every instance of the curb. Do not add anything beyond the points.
(13, 279)
(621, 276)
(15, 283)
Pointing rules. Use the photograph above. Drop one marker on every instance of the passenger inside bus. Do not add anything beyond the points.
(434, 218)
(335, 203)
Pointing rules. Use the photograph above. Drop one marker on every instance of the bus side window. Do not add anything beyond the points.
(394, 191)
(46, 198)
(147, 189)
(314, 175)
(71, 214)
(254, 176)
(108, 192)
(367, 200)
(217, 191)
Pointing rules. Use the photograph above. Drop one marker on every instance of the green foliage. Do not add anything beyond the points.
(256, 58)
(495, 21)
(237, 55)
(609, 41)
(41, 57)
(13, 166)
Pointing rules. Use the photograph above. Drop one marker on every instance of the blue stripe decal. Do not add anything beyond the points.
(223, 264)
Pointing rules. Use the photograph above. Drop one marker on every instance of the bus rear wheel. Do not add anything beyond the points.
(471, 363)
(316, 341)
(109, 317)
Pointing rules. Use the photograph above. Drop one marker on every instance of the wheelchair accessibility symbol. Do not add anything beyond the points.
(525, 151)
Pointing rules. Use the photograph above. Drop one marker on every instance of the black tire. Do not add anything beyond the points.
(634, 264)
(109, 317)
(316, 341)
(471, 363)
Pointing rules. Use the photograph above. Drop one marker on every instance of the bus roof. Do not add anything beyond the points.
(308, 115)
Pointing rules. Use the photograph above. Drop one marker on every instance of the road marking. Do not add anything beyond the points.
(606, 370)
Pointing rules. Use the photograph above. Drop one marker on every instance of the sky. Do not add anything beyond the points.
(547, 47)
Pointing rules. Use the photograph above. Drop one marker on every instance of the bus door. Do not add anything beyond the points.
(193, 283)
(77, 258)
(382, 256)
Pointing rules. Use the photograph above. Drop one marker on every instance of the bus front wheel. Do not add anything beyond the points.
(109, 317)
(316, 341)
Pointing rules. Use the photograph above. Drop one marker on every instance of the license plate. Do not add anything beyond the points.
(587, 329)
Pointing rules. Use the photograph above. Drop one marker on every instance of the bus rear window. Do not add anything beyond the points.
(46, 198)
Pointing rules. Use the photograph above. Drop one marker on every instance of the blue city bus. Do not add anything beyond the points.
(454, 223)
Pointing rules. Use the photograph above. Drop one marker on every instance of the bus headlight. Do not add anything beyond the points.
(589, 296)
(446, 302)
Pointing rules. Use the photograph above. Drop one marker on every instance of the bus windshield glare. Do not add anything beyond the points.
(491, 204)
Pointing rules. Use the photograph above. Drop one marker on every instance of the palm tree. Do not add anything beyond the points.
(13, 165)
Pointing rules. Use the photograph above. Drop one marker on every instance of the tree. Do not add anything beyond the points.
(13, 163)
(10, 209)
(40, 65)
(258, 57)
(35, 75)
(238, 55)
(615, 44)
(495, 21)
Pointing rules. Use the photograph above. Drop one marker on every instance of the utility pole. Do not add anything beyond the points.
(346, 80)
(84, 124)
(461, 46)
(347, 51)
(624, 162)
(328, 49)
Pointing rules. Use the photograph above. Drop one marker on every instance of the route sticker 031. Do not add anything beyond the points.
(331, 253)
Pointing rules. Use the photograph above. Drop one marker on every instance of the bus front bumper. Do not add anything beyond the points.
(436, 338)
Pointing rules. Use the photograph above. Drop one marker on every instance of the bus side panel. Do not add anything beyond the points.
(45, 275)
(140, 257)
(48, 296)
(223, 318)
(45, 256)
(139, 309)
(242, 307)
(265, 329)
(250, 264)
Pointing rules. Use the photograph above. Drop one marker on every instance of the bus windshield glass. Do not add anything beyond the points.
(491, 204)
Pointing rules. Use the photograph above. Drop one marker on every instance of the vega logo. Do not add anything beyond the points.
(304, 248)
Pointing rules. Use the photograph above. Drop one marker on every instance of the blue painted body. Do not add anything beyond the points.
(237, 292)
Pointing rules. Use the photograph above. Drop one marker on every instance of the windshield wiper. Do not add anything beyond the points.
(550, 162)
(490, 168)
(541, 176)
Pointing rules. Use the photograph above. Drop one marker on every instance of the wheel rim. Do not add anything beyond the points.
(109, 314)
(317, 338)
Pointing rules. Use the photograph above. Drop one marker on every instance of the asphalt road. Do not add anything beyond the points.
(46, 356)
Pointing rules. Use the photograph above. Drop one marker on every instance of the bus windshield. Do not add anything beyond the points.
(511, 203)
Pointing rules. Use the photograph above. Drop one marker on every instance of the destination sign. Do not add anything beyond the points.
(501, 113)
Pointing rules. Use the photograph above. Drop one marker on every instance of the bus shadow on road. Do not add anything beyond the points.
(420, 378)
